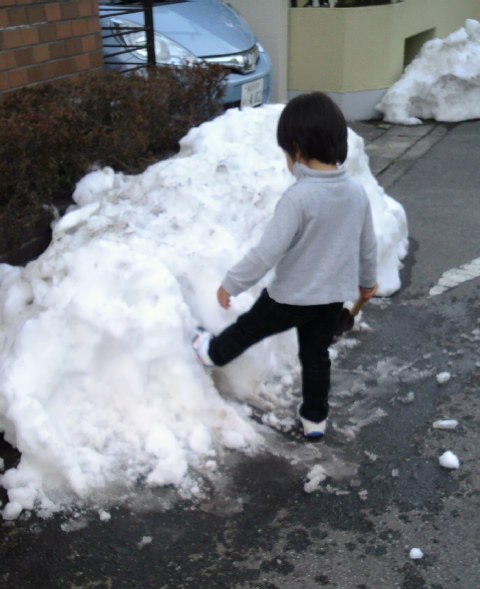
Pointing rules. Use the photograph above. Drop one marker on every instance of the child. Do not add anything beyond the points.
(322, 244)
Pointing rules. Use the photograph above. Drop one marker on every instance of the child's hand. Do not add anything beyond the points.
(368, 293)
(223, 298)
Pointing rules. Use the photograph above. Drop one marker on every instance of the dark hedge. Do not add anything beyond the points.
(51, 135)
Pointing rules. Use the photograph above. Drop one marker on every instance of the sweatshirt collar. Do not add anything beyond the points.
(301, 171)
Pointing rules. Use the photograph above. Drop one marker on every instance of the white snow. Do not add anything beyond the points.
(104, 516)
(442, 82)
(443, 377)
(145, 541)
(99, 387)
(315, 476)
(363, 494)
(449, 460)
(416, 553)
(12, 510)
(445, 424)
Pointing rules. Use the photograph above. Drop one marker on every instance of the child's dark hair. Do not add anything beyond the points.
(313, 127)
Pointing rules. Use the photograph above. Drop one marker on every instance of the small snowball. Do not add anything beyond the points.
(145, 541)
(104, 516)
(443, 377)
(416, 553)
(445, 424)
(409, 398)
(449, 460)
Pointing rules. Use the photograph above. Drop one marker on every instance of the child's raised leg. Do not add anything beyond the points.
(264, 319)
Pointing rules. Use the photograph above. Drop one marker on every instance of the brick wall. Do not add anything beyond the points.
(41, 40)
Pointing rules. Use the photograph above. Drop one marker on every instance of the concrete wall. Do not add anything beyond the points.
(42, 41)
(269, 21)
(356, 54)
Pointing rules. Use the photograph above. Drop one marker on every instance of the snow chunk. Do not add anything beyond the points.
(104, 516)
(443, 377)
(73, 525)
(145, 541)
(449, 460)
(445, 424)
(416, 554)
(409, 398)
(363, 494)
(314, 477)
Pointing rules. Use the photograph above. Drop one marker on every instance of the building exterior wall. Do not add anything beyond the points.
(42, 41)
(356, 54)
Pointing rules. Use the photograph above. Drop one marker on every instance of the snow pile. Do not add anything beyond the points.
(99, 387)
(389, 218)
(442, 82)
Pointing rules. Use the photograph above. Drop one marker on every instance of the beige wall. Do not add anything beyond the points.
(363, 49)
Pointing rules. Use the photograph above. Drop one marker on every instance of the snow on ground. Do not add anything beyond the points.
(99, 388)
(442, 82)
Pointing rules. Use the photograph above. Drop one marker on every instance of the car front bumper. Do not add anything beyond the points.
(235, 82)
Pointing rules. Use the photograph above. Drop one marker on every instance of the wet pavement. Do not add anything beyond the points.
(268, 523)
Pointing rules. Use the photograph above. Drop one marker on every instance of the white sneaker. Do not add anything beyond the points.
(201, 343)
(312, 429)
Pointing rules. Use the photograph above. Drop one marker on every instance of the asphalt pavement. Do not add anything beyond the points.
(267, 525)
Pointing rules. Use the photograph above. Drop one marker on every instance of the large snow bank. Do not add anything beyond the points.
(99, 387)
(442, 82)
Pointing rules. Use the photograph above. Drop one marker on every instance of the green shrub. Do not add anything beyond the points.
(51, 135)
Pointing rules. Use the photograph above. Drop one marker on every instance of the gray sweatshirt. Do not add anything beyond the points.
(320, 240)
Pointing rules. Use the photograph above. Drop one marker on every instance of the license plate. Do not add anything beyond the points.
(252, 93)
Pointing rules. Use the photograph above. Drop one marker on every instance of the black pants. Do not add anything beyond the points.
(315, 328)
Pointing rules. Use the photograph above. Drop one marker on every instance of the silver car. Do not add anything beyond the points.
(186, 32)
